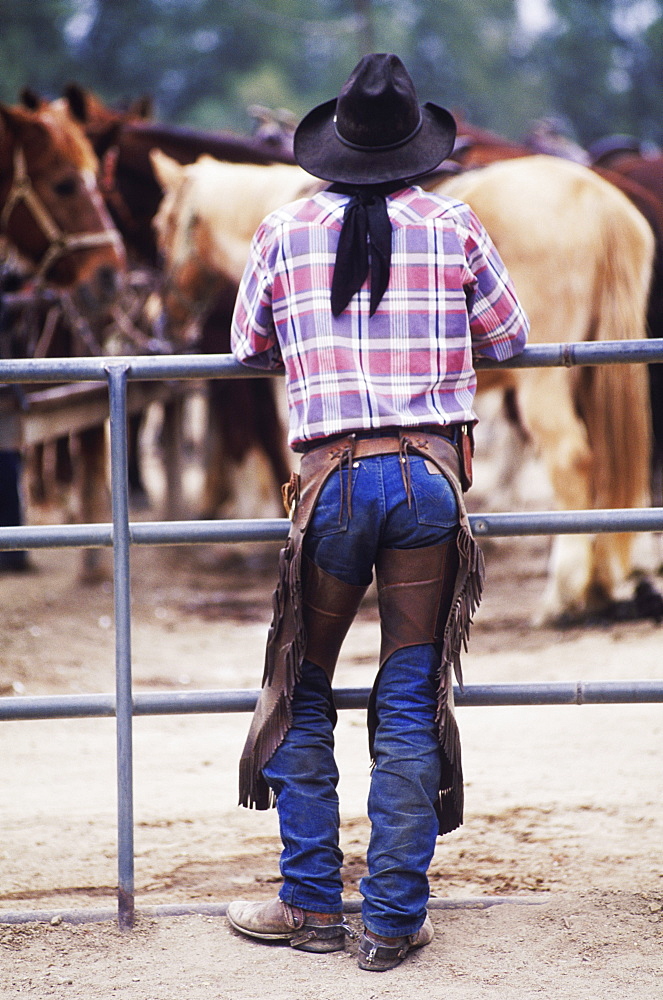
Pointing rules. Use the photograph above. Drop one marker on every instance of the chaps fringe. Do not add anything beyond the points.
(286, 644)
(467, 597)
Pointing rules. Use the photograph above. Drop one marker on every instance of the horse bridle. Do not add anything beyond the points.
(59, 243)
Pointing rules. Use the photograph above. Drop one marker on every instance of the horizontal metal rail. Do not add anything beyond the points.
(204, 366)
(121, 535)
(88, 706)
(565, 522)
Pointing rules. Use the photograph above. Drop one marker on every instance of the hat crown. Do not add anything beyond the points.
(375, 131)
(378, 106)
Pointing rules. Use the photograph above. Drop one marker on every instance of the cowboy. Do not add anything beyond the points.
(373, 296)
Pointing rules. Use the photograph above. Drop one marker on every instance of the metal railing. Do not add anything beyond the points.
(121, 535)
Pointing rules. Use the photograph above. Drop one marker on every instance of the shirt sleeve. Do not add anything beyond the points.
(253, 339)
(498, 324)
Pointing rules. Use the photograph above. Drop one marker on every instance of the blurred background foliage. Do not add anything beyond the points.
(596, 64)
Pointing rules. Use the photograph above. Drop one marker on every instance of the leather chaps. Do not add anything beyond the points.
(425, 595)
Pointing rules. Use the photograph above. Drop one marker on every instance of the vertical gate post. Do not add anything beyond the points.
(117, 384)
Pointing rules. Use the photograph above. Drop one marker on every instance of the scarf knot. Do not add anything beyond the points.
(364, 243)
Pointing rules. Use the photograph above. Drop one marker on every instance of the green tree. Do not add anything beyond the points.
(602, 61)
(644, 99)
(599, 62)
(468, 57)
(32, 49)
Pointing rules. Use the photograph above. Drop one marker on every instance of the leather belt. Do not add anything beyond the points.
(366, 447)
(382, 434)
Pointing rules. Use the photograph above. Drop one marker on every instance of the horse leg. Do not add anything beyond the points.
(63, 473)
(94, 495)
(503, 447)
(218, 486)
(613, 403)
(516, 448)
(50, 459)
(172, 441)
(64, 467)
(271, 432)
(35, 464)
(560, 438)
(137, 490)
(11, 514)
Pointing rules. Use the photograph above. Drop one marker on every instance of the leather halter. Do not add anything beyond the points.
(59, 243)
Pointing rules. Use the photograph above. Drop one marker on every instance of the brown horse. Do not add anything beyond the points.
(123, 140)
(477, 147)
(52, 214)
(51, 209)
(581, 257)
(242, 414)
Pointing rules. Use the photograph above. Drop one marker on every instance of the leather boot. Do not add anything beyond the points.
(378, 953)
(278, 921)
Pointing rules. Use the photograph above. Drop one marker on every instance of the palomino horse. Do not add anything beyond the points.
(617, 159)
(204, 236)
(52, 214)
(198, 220)
(646, 173)
(581, 257)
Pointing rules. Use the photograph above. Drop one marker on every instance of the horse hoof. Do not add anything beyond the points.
(648, 601)
(93, 569)
(139, 499)
(15, 562)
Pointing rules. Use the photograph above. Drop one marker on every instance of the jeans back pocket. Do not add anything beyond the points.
(331, 511)
(434, 498)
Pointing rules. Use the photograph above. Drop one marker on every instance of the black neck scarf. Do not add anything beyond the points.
(365, 236)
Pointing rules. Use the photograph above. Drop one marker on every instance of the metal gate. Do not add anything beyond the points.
(121, 535)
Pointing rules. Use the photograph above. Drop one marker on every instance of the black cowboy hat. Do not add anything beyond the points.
(376, 131)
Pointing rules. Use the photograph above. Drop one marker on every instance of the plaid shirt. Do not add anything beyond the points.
(449, 299)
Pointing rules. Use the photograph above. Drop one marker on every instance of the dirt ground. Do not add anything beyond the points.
(553, 887)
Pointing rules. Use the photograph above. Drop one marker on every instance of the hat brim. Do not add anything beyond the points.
(319, 151)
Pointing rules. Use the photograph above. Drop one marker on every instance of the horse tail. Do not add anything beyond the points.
(613, 399)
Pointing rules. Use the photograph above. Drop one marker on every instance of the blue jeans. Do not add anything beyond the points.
(405, 779)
